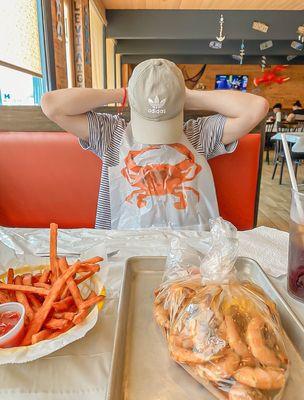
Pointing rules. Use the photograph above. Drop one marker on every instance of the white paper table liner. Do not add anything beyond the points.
(80, 370)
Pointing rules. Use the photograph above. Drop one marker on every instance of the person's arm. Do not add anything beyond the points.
(291, 117)
(279, 116)
(68, 107)
(243, 110)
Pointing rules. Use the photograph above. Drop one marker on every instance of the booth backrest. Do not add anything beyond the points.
(236, 177)
(46, 176)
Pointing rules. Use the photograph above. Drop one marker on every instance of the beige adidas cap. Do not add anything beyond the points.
(156, 94)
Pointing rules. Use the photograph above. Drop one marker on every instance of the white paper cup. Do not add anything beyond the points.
(14, 336)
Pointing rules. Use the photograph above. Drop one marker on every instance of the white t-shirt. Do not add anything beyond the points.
(145, 186)
(278, 118)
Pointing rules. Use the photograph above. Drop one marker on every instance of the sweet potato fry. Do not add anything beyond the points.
(91, 301)
(73, 288)
(21, 298)
(42, 335)
(92, 260)
(58, 273)
(63, 305)
(89, 267)
(81, 315)
(78, 281)
(24, 288)
(44, 276)
(4, 297)
(54, 334)
(47, 305)
(42, 285)
(56, 323)
(64, 315)
(65, 293)
(36, 277)
(53, 249)
(35, 303)
(10, 280)
(52, 299)
(10, 275)
(60, 331)
(84, 277)
(27, 279)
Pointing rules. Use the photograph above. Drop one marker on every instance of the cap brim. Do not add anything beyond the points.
(156, 132)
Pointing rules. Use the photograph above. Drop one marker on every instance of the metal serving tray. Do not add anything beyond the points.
(141, 368)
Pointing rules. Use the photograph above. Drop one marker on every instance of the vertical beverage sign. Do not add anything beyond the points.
(59, 20)
(82, 48)
(59, 44)
(78, 50)
(87, 44)
(87, 47)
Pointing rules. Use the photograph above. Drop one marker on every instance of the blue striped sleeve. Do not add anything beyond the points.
(102, 129)
(205, 134)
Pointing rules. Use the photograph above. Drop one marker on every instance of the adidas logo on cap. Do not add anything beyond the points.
(157, 106)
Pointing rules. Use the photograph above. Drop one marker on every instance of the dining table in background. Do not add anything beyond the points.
(293, 132)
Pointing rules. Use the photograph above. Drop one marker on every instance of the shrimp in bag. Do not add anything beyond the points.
(226, 333)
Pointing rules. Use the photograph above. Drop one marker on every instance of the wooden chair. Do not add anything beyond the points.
(299, 117)
(300, 126)
(279, 158)
(268, 134)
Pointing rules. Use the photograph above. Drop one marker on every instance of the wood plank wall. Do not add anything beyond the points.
(82, 47)
(59, 44)
(32, 119)
(285, 93)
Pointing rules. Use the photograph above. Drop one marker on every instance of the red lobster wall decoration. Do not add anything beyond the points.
(272, 76)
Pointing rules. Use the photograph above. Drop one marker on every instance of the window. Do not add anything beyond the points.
(118, 70)
(21, 80)
(19, 88)
(97, 47)
(110, 63)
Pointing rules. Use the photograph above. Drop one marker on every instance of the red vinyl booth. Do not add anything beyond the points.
(47, 177)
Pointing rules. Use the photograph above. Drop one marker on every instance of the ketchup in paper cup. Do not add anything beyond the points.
(11, 324)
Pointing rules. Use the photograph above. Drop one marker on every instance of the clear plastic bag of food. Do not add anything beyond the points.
(227, 334)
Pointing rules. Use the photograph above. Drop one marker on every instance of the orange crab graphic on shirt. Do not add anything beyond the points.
(161, 179)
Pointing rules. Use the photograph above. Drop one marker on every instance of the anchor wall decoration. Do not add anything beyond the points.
(221, 37)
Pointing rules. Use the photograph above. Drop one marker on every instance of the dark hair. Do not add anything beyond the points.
(277, 105)
(297, 103)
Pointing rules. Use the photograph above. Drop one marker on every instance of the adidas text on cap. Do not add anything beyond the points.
(156, 95)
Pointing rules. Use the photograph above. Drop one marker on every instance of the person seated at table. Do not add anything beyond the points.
(154, 169)
(277, 117)
(297, 113)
